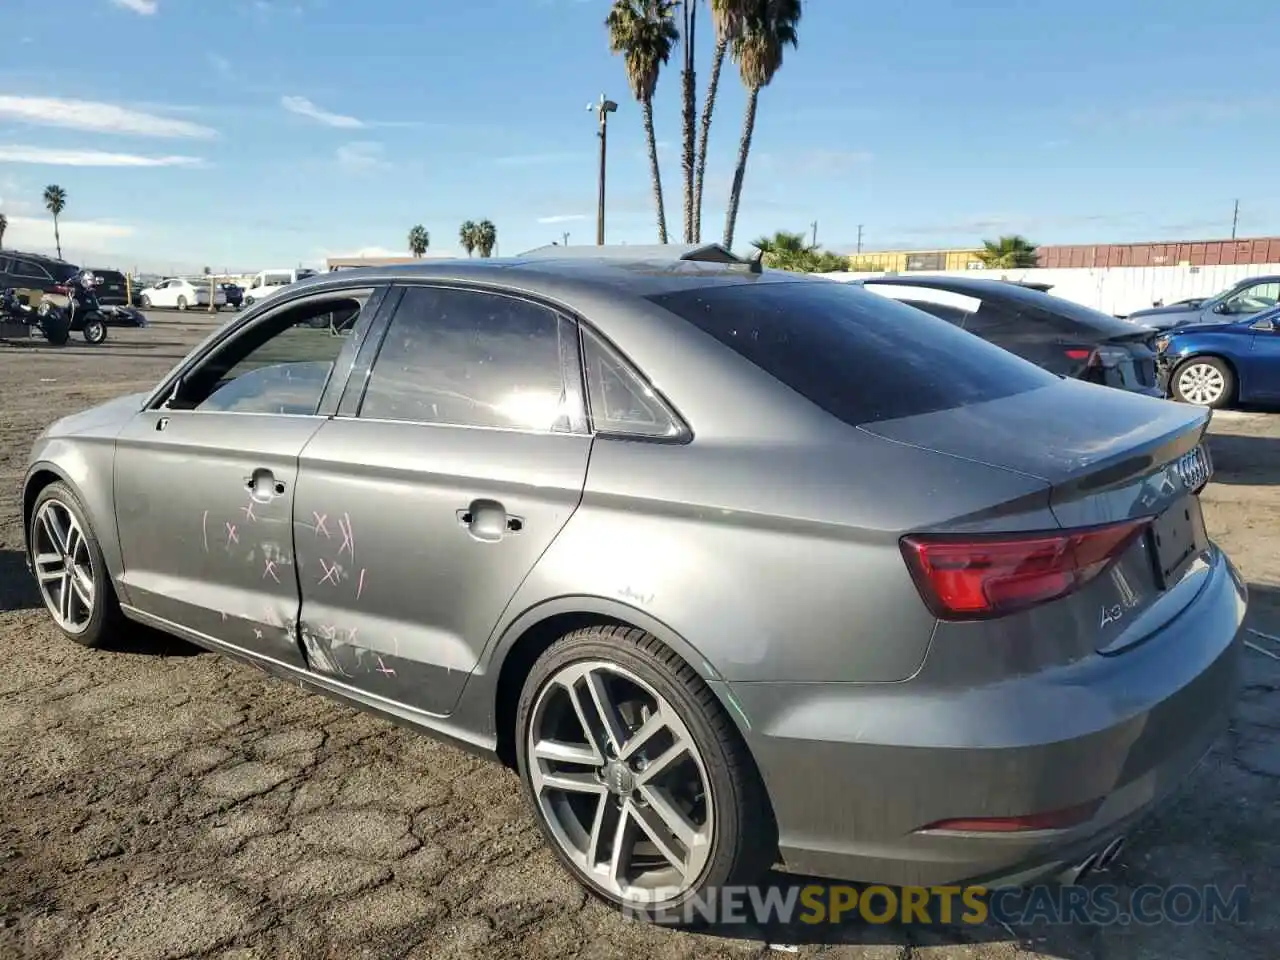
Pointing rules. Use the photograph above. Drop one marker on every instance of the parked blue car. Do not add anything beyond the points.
(1222, 362)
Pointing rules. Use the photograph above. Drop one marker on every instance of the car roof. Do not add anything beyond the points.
(43, 257)
(641, 274)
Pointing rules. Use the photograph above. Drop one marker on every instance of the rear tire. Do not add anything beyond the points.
(146, 303)
(182, 303)
(99, 620)
(1204, 382)
(55, 324)
(711, 790)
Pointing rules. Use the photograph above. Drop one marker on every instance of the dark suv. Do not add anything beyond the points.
(36, 276)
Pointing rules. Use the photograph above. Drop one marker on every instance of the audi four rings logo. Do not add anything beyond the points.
(1193, 468)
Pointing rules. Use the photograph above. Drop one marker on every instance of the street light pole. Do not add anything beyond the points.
(603, 107)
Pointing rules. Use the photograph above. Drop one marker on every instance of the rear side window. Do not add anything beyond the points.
(859, 356)
(622, 403)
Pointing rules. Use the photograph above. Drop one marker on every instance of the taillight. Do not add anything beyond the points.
(60, 289)
(1075, 354)
(978, 577)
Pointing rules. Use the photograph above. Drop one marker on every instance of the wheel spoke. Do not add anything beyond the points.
(654, 725)
(83, 591)
(662, 762)
(64, 598)
(623, 848)
(653, 828)
(613, 729)
(593, 853)
(571, 782)
(74, 539)
(49, 567)
(557, 751)
(671, 818)
(54, 529)
(589, 730)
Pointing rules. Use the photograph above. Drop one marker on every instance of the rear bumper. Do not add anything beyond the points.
(854, 771)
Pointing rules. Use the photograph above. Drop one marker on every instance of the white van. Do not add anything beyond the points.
(268, 282)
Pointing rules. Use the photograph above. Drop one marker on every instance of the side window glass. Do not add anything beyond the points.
(471, 359)
(279, 366)
(620, 401)
(1255, 299)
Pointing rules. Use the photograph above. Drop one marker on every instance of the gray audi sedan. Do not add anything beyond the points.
(736, 568)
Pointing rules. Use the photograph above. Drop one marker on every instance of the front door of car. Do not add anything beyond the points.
(423, 505)
(1264, 358)
(204, 482)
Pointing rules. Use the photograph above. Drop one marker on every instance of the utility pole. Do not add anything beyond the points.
(566, 238)
(1235, 220)
(603, 107)
(859, 238)
(814, 242)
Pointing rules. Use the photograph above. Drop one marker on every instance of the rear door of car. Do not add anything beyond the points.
(457, 455)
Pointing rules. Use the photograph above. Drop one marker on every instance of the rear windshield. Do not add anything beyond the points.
(857, 355)
(109, 276)
(1093, 321)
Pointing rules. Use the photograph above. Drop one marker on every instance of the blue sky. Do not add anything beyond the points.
(256, 133)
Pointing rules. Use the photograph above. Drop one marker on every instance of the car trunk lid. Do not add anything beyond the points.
(1108, 456)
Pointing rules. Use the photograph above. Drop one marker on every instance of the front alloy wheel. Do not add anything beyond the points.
(64, 566)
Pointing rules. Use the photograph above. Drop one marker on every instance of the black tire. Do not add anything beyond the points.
(1225, 399)
(95, 330)
(744, 842)
(182, 303)
(145, 303)
(56, 327)
(107, 620)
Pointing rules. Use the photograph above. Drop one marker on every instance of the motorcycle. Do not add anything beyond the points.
(54, 325)
(82, 313)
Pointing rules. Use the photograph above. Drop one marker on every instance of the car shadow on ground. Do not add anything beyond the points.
(18, 591)
(1245, 459)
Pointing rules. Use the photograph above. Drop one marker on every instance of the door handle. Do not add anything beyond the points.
(263, 485)
(488, 520)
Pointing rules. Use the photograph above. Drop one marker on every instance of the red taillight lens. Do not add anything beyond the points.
(60, 289)
(980, 577)
(1050, 820)
(1074, 354)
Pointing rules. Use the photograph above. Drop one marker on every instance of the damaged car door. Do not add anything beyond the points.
(450, 467)
(205, 474)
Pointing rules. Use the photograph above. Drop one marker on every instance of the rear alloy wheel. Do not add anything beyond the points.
(1205, 382)
(69, 568)
(182, 303)
(637, 777)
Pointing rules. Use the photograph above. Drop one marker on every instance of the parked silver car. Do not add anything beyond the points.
(735, 568)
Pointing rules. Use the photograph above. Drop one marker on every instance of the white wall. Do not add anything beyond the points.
(1116, 290)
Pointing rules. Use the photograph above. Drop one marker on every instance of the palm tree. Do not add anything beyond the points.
(726, 15)
(55, 201)
(486, 237)
(4, 225)
(689, 89)
(767, 28)
(419, 240)
(644, 32)
(467, 236)
(1009, 253)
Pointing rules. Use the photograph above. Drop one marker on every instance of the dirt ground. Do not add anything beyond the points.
(160, 802)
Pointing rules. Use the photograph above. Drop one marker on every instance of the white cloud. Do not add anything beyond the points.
(563, 218)
(360, 155)
(535, 159)
(36, 234)
(89, 158)
(305, 108)
(98, 118)
(144, 7)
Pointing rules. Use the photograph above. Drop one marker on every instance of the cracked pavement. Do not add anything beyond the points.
(160, 802)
